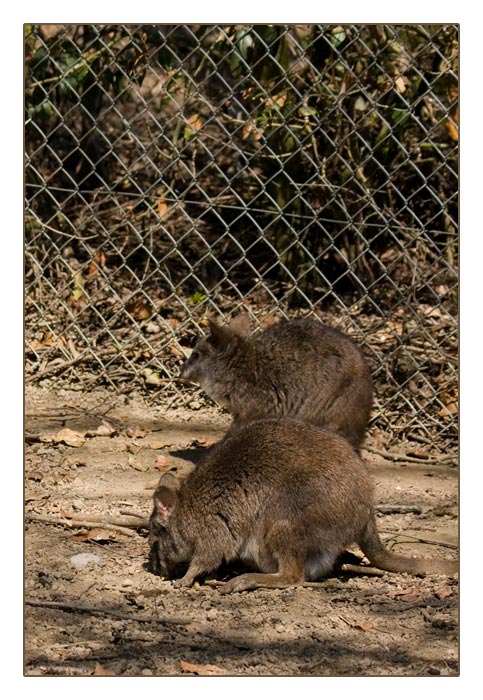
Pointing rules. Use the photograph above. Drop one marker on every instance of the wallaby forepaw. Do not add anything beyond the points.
(185, 582)
(238, 584)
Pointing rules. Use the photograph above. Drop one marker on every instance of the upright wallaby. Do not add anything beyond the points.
(298, 368)
(283, 496)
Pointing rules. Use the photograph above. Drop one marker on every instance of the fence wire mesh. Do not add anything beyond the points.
(175, 171)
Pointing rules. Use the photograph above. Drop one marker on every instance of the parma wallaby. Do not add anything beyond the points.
(298, 368)
(283, 496)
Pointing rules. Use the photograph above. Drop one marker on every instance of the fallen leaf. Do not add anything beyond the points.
(358, 624)
(396, 326)
(400, 84)
(72, 462)
(449, 410)
(70, 437)
(179, 351)
(48, 341)
(162, 206)
(65, 478)
(363, 625)
(195, 125)
(99, 534)
(410, 597)
(160, 443)
(97, 262)
(251, 128)
(163, 463)
(151, 377)
(101, 671)
(204, 441)
(443, 592)
(279, 99)
(35, 497)
(135, 431)
(136, 464)
(78, 293)
(452, 123)
(139, 309)
(403, 591)
(202, 669)
(104, 428)
(55, 508)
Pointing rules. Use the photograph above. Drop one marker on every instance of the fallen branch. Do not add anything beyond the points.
(134, 521)
(90, 610)
(75, 524)
(85, 356)
(138, 516)
(60, 366)
(364, 570)
(59, 670)
(388, 508)
(395, 457)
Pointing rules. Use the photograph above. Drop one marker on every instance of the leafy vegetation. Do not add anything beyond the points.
(302, 153)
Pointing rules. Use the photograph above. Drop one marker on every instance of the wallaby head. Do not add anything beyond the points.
(164, 555)
(209, 362)
(283, 496)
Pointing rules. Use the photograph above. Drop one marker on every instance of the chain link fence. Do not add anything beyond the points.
(175, 171)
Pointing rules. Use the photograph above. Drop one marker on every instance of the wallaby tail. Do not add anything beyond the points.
(379, 556)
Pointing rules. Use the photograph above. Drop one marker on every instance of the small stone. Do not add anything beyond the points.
(80, 561)
(146, 672)
(212, 614)
(280, 628)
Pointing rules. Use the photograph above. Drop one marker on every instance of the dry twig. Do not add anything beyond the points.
(364, 570)
(423, 540)
(394, 457)
(74, 524)
(388, 508)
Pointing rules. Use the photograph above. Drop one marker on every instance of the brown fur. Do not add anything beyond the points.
(298, 368)
(284, 497)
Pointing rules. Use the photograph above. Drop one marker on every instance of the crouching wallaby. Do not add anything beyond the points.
(298, 368)
(282, 496)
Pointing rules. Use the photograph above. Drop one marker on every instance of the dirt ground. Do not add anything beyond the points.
(93, 608)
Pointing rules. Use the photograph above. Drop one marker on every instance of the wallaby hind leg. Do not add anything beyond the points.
(290, 563)
(290, 574)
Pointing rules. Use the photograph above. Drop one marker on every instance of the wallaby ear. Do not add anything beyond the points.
(240, 325)
(220, 336)
(170, 481)
(166, 495)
